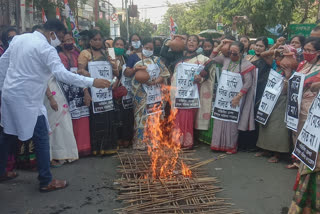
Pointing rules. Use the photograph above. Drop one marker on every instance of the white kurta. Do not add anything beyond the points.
(25, 69)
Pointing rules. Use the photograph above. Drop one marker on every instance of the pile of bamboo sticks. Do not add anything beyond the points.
(141, 193)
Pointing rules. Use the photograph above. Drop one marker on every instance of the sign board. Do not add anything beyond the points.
(300, 29)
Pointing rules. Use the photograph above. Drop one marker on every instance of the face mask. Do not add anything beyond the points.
(207, 52)
(252, 52)
(199, 50)
(68, 47)
(309, 57)
(96, 49)
(147, 53)
(157, 50)
(299, 50)
(136, 45)
(119, 51)
(55, 42)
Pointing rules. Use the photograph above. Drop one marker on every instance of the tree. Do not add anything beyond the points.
(145, 28)
(104, 27)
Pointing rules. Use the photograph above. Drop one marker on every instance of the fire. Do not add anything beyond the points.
(162, 139)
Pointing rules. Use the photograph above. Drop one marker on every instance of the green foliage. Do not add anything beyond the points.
(204, 14)
(104, 27)
(145, 28)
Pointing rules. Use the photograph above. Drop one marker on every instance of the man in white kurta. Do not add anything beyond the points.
(25, 69)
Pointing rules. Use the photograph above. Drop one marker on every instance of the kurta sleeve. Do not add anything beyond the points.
(50, 58)
(4, 62)
(218, 59)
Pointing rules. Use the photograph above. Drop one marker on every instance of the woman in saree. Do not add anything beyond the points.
(124, 104)
(307, 193)
(192, 73)
(142, 103)
(75, 98)
(274, 136)
(205, 136)
(225, 133)
(248, 139)
(103, 118)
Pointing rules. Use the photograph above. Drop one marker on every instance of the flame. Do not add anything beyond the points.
(162, 138)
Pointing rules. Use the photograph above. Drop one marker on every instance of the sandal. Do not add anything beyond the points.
(8, 176)
(273, 159)
(56, 164)
(54, 185)
(261, 154)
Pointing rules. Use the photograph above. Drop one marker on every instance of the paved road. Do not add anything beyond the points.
(255, 186)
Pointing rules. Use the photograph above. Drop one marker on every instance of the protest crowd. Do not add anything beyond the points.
(63, 98)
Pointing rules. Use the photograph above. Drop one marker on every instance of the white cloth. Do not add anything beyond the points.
(25, 69)
(63, 145)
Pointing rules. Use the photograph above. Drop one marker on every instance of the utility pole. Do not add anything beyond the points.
(127, 18)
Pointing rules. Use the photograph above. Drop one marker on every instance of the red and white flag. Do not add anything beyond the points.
(44, 17)
(58, 16)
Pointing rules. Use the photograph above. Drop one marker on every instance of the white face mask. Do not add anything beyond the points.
(136, 45)
(147, 53)
(55, 42)
(299, 50)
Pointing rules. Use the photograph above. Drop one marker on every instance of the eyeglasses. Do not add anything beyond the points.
(233, 54)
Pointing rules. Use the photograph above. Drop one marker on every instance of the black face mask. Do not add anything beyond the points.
(207, 52)
(157, 50)
(96, 49)
(68, 47)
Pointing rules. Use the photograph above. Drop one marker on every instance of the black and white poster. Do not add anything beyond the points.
(154, 103)
(229, 86)
(307, 145)
(270, 96)
(295, 89)
(101, 97)
(187, 93)
(127, 101)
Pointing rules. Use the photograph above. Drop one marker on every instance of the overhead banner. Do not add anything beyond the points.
(101, 97)
(270, 96)
(229, 86)
(307, 145)
(295, 89)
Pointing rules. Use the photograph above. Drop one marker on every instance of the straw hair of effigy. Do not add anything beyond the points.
(141, 193)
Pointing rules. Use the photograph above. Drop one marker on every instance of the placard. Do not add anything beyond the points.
(295, 89)
(229, 86)
(307, 145)
(187, 93)
(127, 101)
(101, 97)
(270, 96)
(154, 104)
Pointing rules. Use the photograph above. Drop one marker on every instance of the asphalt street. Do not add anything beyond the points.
(253, 184)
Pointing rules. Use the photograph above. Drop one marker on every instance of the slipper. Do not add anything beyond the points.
(56, 164)
(54, 185)
(8, 176)
(273, 159)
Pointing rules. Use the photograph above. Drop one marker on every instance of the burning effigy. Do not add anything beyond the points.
(166, 178)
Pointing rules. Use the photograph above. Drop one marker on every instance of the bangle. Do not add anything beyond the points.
(84, 89)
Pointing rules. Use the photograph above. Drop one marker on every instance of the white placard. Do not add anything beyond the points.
(307, 145)
(101, 97)
(153, 91)
(127, 101)
(295, 89)
(187, 93)
(270, 96)
(229, 86)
